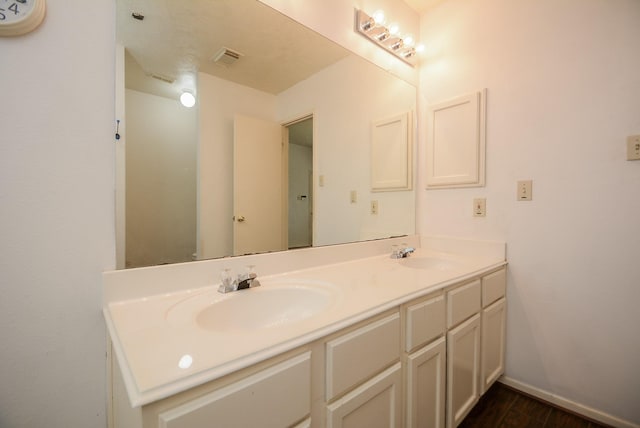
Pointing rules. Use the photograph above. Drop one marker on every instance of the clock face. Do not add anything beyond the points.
(15, 10)
(20, 16)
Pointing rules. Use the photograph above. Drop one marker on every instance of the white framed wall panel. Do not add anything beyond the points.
(391, 153)
(456, 142)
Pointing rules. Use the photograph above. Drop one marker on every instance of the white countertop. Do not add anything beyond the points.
(162, 350)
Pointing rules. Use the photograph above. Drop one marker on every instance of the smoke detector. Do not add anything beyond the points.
(226, 56)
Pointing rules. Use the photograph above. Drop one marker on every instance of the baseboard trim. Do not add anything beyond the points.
(572, 406)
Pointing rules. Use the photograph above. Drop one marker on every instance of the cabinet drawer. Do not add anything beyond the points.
(360, 354)
(494, 287)
(275, 397)
(462, 303)
(425, 322)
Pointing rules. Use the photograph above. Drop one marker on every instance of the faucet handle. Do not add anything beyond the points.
(227, 283)
(395, 251)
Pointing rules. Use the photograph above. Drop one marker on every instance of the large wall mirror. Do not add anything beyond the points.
(276, 104)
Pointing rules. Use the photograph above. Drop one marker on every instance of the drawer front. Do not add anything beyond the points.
(425, 322)
(360, 354)
(494, 287)
(275, 397)
(462, 303)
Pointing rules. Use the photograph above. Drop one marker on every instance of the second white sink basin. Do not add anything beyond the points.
(266, 306)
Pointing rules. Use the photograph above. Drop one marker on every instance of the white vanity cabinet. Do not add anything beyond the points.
(425, 362)
(421, 364)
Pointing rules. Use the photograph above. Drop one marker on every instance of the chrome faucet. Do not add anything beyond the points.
(401, 252)
(248, 280)
(243, 281)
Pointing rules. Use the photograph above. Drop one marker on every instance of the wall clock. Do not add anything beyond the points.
(20, 16)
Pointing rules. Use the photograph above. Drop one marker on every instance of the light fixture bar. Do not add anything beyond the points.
(382, 36)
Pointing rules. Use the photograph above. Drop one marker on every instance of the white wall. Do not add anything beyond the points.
(161, 174)
(219, 101)
(341, 145)
(56, 215)
(563, 94)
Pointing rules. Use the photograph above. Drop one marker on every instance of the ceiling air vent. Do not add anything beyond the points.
(162, 78)
(226, 56)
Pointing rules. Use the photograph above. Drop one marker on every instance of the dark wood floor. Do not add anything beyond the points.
(503, 407)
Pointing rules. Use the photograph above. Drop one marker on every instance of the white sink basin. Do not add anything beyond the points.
(429, 263)
(266, 306)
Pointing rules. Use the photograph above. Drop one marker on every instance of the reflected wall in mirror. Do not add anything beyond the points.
(180, 162)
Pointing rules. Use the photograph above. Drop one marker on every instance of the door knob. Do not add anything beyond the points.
(241, 219)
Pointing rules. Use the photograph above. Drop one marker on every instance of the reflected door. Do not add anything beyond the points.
(300, 155)
(259, 187)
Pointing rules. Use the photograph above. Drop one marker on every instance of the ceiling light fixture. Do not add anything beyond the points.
(373, 28)
(187, 99)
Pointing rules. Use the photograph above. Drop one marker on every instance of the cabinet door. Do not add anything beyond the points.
(493, 342)
(463, 366)
(374, 404)
(426, 386)
(275, 397)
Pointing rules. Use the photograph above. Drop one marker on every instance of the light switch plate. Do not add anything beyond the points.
(479, 207)
(374, 207)
(354, 196)
(633, 147)
(525, 188)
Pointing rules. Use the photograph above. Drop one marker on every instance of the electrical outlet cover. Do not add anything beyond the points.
(479, 207)
(633, 147)
(525, 189)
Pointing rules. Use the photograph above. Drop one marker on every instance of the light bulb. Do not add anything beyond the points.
(378, 17)
(394, 29)
(187, 99)
(420, 48)
(408, 40)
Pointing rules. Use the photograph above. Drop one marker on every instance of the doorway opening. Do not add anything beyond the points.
(300, 182)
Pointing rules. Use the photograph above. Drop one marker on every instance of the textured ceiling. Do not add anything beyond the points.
(177, 39)
(422, 6)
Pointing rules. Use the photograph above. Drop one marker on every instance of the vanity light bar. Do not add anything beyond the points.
(375, 31)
